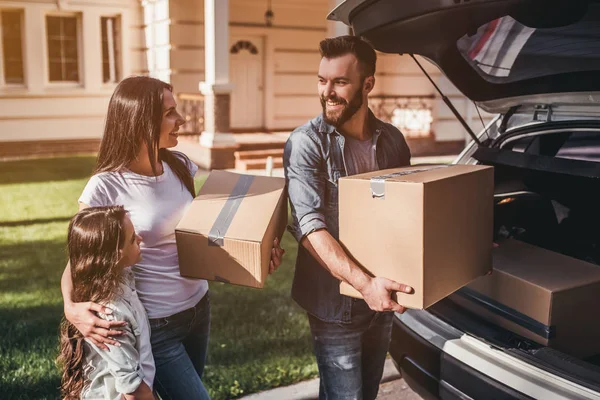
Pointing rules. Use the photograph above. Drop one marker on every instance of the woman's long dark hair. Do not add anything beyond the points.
(134, 117)
(94, 239)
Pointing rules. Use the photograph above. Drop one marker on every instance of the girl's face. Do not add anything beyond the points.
(171, 121)
(130, 253)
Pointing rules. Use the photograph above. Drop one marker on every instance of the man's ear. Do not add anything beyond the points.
(369, 84)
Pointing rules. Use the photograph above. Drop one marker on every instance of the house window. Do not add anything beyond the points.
(12, 46)
(63, 48)
(111, 40)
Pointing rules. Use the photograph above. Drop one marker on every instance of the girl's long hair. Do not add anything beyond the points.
(94, 239)
(134, 117)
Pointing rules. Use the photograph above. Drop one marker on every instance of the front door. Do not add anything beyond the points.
(246, 73)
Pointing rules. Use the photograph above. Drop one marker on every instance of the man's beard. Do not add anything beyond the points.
(339, 118)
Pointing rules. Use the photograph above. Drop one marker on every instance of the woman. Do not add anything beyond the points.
(135, 169)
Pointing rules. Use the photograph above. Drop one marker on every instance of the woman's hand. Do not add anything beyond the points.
(97, 330)
(276, 256)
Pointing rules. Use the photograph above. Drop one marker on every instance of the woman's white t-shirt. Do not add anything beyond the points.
(155, 206)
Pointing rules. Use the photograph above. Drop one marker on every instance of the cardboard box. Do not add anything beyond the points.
(227, 232)
(429, 227)
(544, 296)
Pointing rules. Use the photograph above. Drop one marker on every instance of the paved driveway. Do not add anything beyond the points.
(393, 388)
(396, 390)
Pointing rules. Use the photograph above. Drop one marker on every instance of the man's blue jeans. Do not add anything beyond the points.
(179, 347)
(351, 356)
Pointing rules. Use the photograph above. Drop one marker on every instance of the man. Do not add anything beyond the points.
(351, 336)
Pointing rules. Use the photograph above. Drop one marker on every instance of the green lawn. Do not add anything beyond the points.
(259, 338)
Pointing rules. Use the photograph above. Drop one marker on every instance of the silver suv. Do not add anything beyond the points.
(536, 64)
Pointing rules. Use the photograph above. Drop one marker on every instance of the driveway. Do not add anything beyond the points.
(391, 388)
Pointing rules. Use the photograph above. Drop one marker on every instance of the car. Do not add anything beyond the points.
(536, 65)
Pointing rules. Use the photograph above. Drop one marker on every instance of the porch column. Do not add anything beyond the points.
(335, 29)
(216, 87)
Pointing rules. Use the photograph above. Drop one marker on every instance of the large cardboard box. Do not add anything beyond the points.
(429, 227)
(545, 296)
(227, 232)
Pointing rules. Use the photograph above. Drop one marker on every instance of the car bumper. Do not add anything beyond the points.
(417, 360)
(440, 362)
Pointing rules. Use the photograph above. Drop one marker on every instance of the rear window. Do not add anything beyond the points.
(583, 146)
(505, 50)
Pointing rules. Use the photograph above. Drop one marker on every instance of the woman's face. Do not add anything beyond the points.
(171, 121)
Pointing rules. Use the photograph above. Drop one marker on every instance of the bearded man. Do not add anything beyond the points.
(350, 336)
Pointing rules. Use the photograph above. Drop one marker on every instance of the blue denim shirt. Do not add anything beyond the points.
(313, 160)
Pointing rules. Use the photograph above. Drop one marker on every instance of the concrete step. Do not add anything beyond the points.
(258, 154)
(263, 145)
(253, 164)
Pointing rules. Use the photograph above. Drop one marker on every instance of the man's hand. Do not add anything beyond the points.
(99, 331)
(377, 293)
(276, 256)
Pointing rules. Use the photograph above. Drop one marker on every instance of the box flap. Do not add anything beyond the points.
(494, 309)
(516, 293)
(544, 268)
(247, 219)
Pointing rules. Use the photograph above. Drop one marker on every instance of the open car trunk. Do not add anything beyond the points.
(547, 194)
(506, 54)
(498, 53)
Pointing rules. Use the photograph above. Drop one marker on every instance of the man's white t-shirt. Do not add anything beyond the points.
(155, 206)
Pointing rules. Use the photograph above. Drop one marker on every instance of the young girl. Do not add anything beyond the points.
(102, 244)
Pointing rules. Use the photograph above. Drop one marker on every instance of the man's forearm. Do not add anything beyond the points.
(330, 254)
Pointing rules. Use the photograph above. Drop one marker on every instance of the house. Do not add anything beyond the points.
(61, 59)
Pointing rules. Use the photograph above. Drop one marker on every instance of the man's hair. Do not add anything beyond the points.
(342, 45)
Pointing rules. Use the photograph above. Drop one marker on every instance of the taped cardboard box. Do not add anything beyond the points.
(227, 232)
(429, 227)
(541, 295)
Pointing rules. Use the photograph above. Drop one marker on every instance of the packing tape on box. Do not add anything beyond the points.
(219, 229)
(378, 182)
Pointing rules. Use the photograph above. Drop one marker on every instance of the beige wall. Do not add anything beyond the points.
(290, 52)
(165, 38)
(186, 34)
(40, 109)
(400, 75)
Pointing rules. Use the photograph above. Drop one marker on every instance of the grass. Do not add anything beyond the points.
(259, 338)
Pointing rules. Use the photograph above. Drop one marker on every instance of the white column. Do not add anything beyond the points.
(216, 87)
(91, 59)
(269, 82)
(126, 39)
(335, 29)
(216, 37)
(36, 59)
